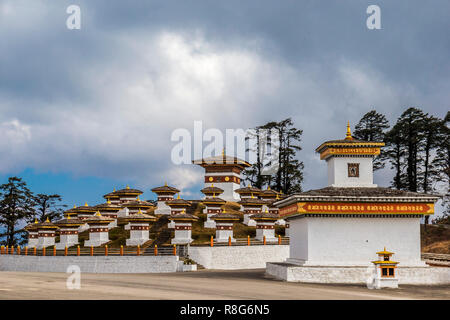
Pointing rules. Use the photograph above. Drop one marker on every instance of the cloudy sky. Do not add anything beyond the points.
(83, 111)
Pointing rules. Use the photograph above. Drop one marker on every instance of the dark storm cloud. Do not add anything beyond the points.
(314, 61)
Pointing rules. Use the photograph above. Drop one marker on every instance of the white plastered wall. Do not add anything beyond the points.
(354, 241)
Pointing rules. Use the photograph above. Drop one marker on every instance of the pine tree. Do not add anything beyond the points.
(372, 127)
(289, 174)
(47, 206)
(395, 152)
(16, 206)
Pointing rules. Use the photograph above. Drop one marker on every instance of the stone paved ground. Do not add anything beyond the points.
(205, 284)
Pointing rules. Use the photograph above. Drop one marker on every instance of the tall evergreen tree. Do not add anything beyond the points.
(395, 152)
(16, 206)
(372, 127)
(48, 206)
(289, 174)
(433, 134)
(410, 143)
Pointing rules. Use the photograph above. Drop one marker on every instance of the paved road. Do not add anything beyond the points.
(205, 284)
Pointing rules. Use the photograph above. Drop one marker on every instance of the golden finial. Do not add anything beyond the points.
(278, 196)
(47, 220)
(85, 204)
(349, 132)
(384, 248)
(214, 195)
(252, 196)
(212, 185)
(108, 201)
(139, 212)
(165, 184)
(224, 210)
(114, 189)
(223, 152)
(267, 211)
(98, 214)
(74, 206)
(183, 211)
(268, 187)
(138, 199)
(128, 187)
(178, 197)
(35, 220)
(68, 217)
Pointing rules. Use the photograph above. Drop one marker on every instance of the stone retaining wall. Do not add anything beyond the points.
(238, 257)
(356, 275)
(94, 264)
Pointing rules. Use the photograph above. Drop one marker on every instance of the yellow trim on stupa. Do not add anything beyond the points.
(348, 136)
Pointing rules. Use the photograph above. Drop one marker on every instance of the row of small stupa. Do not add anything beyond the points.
(124, 208)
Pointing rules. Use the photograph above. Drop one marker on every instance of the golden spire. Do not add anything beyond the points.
(98, 214)
(183, 211)
(212, 185)
(224, 210)
(74, 206)
(85, 204)
(47, 220)
(267, 211)
(268, 187)
(348, 136)
(128, 187)
(165, 184)
(138, 198)
(252, 196)
(178, 197)
(278, 197)
(35, 220)
(114, 189)
(223, 152)
(68, 217)
(214, 195)
(108, 202)
(139, 212)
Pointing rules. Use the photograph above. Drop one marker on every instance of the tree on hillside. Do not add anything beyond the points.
(48, 206)
(16, 205)
(289, 174)
(406, 144)
(372, 127)
(441, 162)
(433, 135)
(395, 153)
(254, 174)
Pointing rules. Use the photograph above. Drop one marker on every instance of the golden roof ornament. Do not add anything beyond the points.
(178, 197)
(139, 212)
(128, 187)
(97, 214)
(348, 136)
(165, 184)
(268, 187)
(224, 210)
(35, 220)
(85, 204)
(114, 189)
(68, 217)
(74, 206)
(47, 220)
(108, 202)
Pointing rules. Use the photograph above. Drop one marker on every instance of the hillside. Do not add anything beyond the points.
(435, 239)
